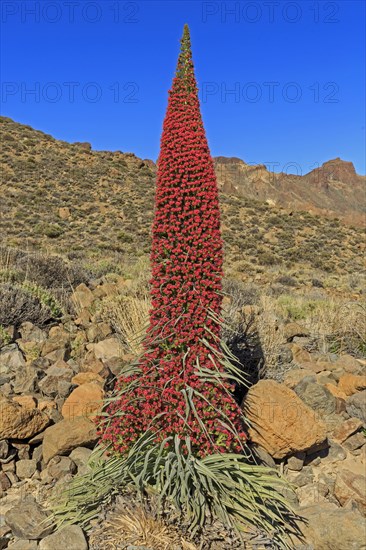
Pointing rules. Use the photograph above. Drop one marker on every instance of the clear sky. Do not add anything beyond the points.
(100, 72)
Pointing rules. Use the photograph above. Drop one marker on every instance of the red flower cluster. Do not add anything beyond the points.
(186, 263)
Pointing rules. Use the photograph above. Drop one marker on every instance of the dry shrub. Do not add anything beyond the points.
(337, 324)
(134, 526)
(334, 324)
(251, 323)
(237, 295)
(129, 315)
(338, 317)
(47, 271)
(138, 275)
(18, 305)
(270, 332)
(241, 294)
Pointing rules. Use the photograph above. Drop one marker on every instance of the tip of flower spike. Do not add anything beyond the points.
(184, 66)
(186, 38)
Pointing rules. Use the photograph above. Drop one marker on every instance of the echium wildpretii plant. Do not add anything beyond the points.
(186, 262)
(173, 426)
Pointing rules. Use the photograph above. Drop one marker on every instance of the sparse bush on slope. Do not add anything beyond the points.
(48, 271)
(35, 286)
(20, 303)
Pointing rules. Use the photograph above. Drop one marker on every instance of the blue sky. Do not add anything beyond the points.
(281, 83)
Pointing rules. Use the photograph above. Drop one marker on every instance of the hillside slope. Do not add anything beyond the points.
(98, 206)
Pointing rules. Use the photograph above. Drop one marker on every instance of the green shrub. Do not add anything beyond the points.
(286, 280)
(17, 305)
(5, 337)
(124, 237)
(45, 298)
(49, 230)
(267, 258)
(297, 310)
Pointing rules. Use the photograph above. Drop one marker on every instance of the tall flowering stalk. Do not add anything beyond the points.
(173, 424)
(168, 394)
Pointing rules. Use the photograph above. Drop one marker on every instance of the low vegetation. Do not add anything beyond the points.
(72, 195)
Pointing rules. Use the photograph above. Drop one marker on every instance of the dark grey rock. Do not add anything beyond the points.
(73, 365)
(11, 455)
(11, 359)
(317, 397)
(38, 438)
(5, 482)
(57, 355)
(37, 454)
(337, 373)
(355, 441)
(26, 468)
(296, 462)
(64, 388)
(49, 384)
(27, 520)
(80, 456)
(305, 477)
(263, 457)
(336, 453)
(327, 480)
(23, 450)
(4, 448)
(356, 405)
(31, 333)
(26, 380)
(41, 363)
(70, 538)
(60, 466)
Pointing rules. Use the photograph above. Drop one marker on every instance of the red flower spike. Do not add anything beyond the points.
(186, 261)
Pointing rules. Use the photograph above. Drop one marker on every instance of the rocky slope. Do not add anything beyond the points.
(334, 189)
(311, 426)
(97, 207)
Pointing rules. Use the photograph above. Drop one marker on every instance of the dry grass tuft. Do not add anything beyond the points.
(135, 527)
(129, 317)
(338, 324)
(270, 332)
(335, 324)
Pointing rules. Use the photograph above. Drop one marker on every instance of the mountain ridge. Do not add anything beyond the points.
(97, 207)
(333, 190)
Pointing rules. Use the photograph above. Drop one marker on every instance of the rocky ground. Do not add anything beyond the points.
(309, 424)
